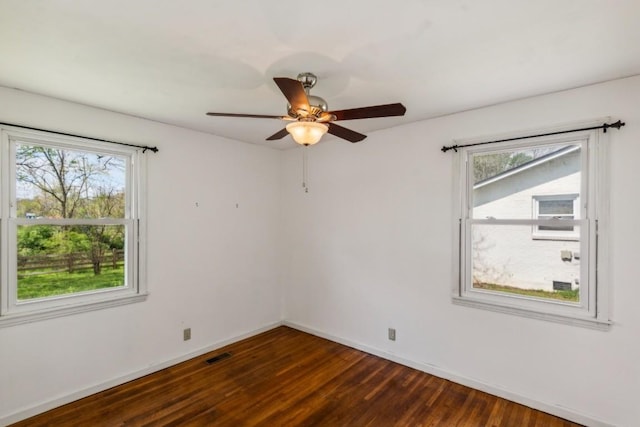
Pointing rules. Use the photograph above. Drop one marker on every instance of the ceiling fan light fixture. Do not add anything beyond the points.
(306, 133)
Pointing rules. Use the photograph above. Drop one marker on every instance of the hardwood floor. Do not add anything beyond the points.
(284, 377)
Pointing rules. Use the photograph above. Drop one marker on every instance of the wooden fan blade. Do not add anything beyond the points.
(344, 133)
(386, 110)
(255, 116)
(278, 135)
(294, 92)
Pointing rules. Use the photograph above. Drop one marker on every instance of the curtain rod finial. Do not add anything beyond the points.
(616, 125)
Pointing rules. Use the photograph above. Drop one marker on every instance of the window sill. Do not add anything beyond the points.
(20, 318)
(590, 323)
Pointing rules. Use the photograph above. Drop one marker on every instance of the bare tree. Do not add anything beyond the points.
(63, 176)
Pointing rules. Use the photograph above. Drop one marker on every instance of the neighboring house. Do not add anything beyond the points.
(538, 257)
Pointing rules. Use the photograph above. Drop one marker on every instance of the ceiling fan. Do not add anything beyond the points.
(309, 116)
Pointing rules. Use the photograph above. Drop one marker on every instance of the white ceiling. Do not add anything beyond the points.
(174, 60)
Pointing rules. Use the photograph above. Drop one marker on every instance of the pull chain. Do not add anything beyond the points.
(305, 173)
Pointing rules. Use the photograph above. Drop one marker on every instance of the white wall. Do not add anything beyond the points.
(212, 267)
(370, 247)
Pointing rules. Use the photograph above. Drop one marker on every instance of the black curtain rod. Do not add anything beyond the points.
(144, 147)
(604, 127)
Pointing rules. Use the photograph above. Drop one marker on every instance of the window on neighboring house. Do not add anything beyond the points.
(556, 207)
(540, 260)
(71, 225)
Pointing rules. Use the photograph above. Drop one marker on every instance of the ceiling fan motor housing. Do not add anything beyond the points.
(317, 106)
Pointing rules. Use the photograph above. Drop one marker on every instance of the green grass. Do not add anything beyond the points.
(63, 283)
(572, 296)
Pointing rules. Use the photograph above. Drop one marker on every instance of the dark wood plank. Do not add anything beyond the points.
(287, 377)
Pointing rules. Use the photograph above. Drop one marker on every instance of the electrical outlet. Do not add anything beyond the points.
(186, 334)
(392, 334)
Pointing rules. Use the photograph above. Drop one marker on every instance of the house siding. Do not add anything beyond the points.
(511, 255)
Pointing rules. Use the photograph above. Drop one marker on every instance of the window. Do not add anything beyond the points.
(72, 227)
(530, 228)
(556, 207)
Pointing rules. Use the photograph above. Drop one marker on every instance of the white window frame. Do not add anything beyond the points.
(13, 311)
(539, 234)
(593, 309)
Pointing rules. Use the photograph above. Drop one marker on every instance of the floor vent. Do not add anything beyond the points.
(218, 358)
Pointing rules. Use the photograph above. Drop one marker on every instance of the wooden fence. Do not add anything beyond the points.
(43, 264)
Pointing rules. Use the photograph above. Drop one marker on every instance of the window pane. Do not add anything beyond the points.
(62, 183)
(556, 207)
(505, 183)
(59, 260)
(506, 260)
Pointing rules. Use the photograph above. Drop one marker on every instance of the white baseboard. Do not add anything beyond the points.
(54, 403)
(553, 409)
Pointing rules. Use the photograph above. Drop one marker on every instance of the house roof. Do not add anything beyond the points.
(528, 165)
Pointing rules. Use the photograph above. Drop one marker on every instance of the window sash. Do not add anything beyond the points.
(14, 305)
(19, 138)
(583, 308)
